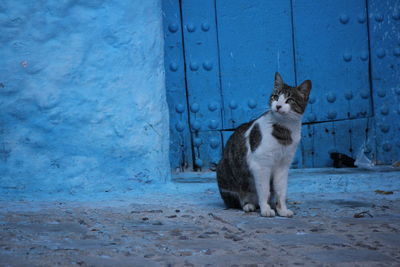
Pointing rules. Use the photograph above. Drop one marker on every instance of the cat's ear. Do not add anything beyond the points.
(305, 89)
(278, 81)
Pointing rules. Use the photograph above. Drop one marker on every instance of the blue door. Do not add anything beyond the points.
(332, 49)
(221, 57)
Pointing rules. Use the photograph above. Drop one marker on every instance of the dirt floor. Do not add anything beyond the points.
(187, 225)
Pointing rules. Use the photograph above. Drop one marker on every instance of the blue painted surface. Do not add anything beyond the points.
(349, 49)
(180, 138)
(255, 41)
(330, 43)
(203, 84)
(384, 21)
(82, 95)
(318, 180)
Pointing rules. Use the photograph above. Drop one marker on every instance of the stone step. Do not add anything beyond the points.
(322, 180)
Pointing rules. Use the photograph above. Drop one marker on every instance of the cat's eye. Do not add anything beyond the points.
(275, 97)
(289, 100)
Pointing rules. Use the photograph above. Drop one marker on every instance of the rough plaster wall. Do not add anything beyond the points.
(82, 96)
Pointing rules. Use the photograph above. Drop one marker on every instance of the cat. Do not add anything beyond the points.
(256, 159)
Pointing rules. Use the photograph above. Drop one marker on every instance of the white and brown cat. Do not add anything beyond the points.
(254, 167)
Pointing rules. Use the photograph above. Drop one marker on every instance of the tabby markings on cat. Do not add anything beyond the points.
(253, 170)
(282, 134)
(255, 137)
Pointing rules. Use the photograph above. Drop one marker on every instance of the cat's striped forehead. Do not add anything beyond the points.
(287, 91)
(299, 102)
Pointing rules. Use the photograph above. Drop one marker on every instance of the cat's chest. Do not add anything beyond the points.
(274, 140)
(279, 139)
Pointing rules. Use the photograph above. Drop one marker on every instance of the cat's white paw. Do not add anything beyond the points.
(249, 207)
(267, 212)
(285, 212)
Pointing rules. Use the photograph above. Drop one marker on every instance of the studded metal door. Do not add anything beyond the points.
(175, 83)
(193, 84)
(221, 56)
(385, 62)
(332, 49)
(203, 83)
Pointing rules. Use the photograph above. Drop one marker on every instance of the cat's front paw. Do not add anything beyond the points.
(249, 207)
(285, 212)
(267, 212)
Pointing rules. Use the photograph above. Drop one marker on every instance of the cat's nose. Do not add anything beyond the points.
(278, 107)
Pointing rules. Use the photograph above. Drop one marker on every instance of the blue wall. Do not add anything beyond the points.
(82, 95)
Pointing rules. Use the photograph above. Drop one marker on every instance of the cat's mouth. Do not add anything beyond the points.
(281, 112)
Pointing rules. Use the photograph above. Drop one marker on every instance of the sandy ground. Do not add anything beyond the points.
(187, 227)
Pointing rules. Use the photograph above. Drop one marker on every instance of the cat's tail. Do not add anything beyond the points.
(231, 199)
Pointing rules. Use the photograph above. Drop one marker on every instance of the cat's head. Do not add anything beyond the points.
(287, 101)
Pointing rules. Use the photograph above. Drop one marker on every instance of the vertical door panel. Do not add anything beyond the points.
(255, 41)
(384, 22)
(331, 47)
(202, 66)
(202, 73)
(180, 145)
